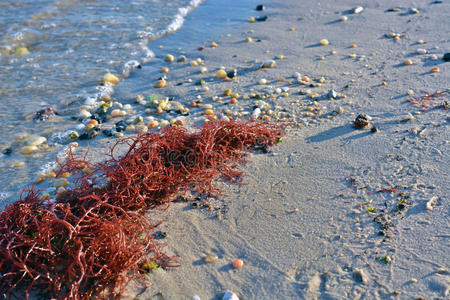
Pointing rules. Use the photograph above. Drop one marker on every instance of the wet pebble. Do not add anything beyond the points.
(110, 79)
(27, 150)
(7, 151)
(343, 19)
(446, 57)
(169, 58)
(260, 7)
(37, 141)
(181, 59)
(262, 19)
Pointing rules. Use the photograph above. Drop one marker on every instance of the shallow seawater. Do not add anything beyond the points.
(54, 54)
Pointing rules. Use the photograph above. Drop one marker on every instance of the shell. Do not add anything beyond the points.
(358, 9)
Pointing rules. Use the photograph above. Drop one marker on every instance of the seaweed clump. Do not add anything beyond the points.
(92, 239)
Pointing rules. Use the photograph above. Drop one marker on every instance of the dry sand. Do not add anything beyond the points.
(300, 221)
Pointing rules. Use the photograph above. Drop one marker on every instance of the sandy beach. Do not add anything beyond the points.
(332, 212)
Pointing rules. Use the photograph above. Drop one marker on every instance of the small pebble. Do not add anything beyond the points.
(343, 19)
(421, 42)
(211, 258)
(434, 57)
(194, 63)
(269, 63)
(431, 203)
(203, 70)
(229, 295)
(37, 141)
(446, 57)
(324, 42)
(248, 39)
(221, 74)
(169, 58)
(17, 164)
(255, 115)
(21, 51)
(414, 10)
(252, 20)
(435, 70)
(260, 7)
(164, 70)
(27, 150)
(160, 83)
(408, 62)
(421, 51)
(358, 9)
(181, 59)
(238, 263)
(196, 297)
(411, 93)
(263, 81)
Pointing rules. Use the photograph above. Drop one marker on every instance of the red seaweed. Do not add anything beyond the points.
(92, 239)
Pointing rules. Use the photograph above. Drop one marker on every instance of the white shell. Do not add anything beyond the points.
(421, 51)
(85, 114)
(229, 295)
(256, 113)
(358, 9)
